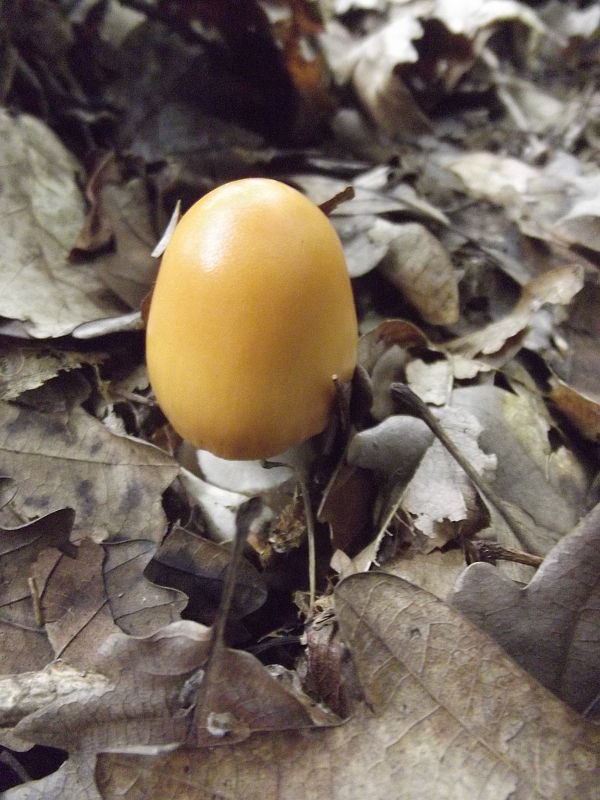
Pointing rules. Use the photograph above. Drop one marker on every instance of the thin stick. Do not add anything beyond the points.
(205, 677)
(35, 599)
(492, 551)
(310, 533)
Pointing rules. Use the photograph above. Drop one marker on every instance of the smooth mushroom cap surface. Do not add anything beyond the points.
(251, 316)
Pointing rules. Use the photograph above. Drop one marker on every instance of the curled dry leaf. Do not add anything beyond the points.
(454, 497)
(576, 388)
(26, 692)
(25, 368)
(356, 220)
(418, 265)
(116, 487)
(242, 699)
(385, 353)
(41, 214)
(503, 338)
(139, 708)
(147, 703)
(130, 270)
(74, 779)
(581, 411)
(558, 202)
(369, 65)
(197, 567)
(550, 627)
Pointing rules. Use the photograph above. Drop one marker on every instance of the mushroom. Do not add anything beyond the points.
(251, 318)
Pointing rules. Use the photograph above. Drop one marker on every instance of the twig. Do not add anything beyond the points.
(35, 599)
(205, 677)
(328, 206)
(310, 533)
(492, 551)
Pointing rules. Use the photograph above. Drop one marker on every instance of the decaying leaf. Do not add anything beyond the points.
(147, 703)
(558, 202)
(75, 778)
(551, 626)
(424, 478)
(582, 411)
(19, 548)
(128, 271)
(25, 368)
(41, 213)
(548, 484)
(23, 640)
(417, 264)
(108, 717)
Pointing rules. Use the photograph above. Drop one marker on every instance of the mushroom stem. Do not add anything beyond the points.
(309, 517)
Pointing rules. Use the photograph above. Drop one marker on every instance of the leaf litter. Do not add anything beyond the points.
(472, 242)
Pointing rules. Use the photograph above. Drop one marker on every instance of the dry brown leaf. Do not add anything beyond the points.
(548, 484)
(418, 265)
(41, 213)
(197, 567)
(550, 627)
(130, 270)
(454, 498)
(23, 368)
(138, 709)
(582, 411)
(558, 202)
(347, 507)
(576, 389)
(449, 715)
(435, 572)
(73, 603)
(369, 64)
(414, 462)
(138, 606)
(96, 233)
(114, 483)
(23, 642)
(73, 780)
(147, 703)
(19, 548)
(469, 353)
(241, 699)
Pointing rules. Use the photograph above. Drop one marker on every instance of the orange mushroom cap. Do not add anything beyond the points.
(251, 317)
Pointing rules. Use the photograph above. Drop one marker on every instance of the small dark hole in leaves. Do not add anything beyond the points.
(36, 763)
